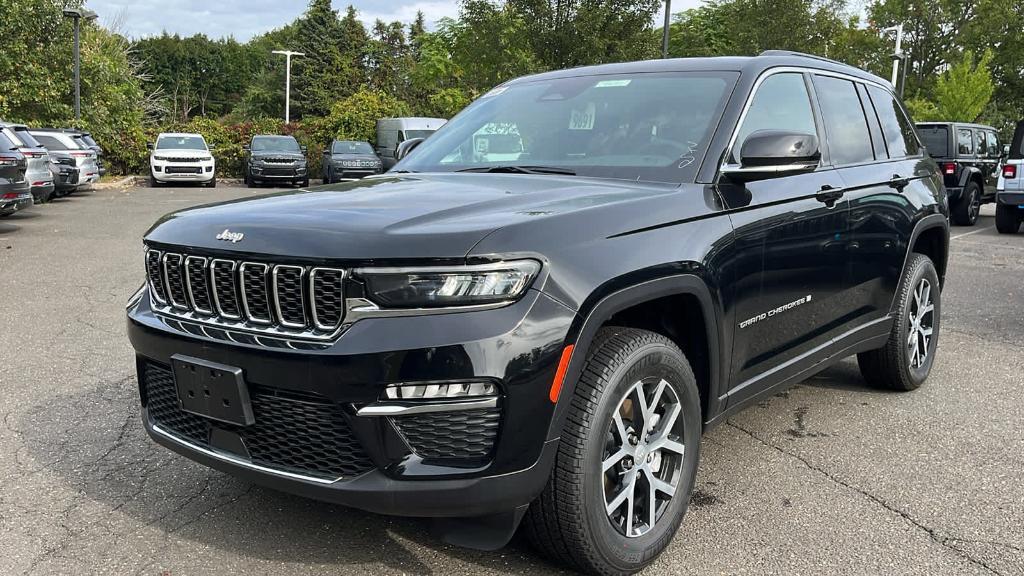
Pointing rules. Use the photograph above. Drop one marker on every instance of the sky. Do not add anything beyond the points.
(244, 19)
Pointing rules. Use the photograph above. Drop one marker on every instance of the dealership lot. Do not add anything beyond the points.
(828, 477)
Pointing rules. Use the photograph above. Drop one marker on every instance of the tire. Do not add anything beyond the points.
(965, 212)
(212, 183)
(153, 182)
(330, 176)
(569, 521)
(894, 366)
(1008, 219)
(305, 183)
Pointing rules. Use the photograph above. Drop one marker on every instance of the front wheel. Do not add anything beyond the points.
(212, 183)
(627, 458)
(906, 359)
(1008, 219)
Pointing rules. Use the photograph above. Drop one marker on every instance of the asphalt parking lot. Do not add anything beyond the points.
(829, 477)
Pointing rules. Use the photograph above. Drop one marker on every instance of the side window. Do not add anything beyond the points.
(994, 149)
(877, 140)
(900, 137)
(982, 139)
(780, 103)
(849, 141)
(964, 142)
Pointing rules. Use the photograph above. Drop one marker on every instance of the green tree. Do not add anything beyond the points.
(963, 91)
(322, 75)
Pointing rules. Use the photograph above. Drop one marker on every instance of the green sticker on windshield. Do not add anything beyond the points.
(612, 83)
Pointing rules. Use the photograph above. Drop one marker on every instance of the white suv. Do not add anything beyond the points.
(177, 157)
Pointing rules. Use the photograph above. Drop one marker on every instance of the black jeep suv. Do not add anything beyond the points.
(271, 158)
(969, 156)
(543, 333)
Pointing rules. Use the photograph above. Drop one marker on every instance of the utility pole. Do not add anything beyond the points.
(897, 56)
(77, 16)
(664, 31)
(287, 81)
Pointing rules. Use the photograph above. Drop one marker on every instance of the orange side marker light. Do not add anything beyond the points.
(563, 365)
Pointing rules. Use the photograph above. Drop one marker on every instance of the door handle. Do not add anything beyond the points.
(829, 194)
(898, 183)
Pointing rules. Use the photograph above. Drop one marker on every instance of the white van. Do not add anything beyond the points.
(393, 131)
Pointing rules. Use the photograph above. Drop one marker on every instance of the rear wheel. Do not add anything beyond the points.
(1008, 218)
(627, 458)
(965, 212)
(906, 359)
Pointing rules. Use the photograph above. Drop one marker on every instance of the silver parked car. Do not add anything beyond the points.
(64, 145)
(40, 178)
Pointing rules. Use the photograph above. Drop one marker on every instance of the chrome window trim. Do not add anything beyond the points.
(188, 283)
(167, 280)
(241, 462)
(234, 286)
(277, 296)
(312, 298)
(163, 281)
(245, 301)
(783, 70)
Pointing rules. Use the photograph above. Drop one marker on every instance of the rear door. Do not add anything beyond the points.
(885, 197)
(790, 234)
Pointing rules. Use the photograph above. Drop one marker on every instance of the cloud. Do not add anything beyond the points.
(244, 19)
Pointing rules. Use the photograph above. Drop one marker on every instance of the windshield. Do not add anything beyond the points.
(935, 139)
(181, 143)
(5, 142)
(27, 138)
(349, 147)
(275, 144)
(647, 126)
(88, 140)
(410, 134)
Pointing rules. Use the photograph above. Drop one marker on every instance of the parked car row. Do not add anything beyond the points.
(38, 164)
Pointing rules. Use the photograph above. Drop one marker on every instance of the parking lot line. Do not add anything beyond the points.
(971, 232)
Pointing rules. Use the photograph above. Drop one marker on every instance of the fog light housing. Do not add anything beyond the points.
(440, 391)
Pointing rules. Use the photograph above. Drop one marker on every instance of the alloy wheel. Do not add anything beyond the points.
(643, 457)
(975, 207)
(921, 319)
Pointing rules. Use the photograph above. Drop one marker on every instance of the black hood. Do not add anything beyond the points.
(263, 155)
(397, 217)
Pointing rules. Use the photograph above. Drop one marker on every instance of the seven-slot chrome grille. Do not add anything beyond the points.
(265, 297)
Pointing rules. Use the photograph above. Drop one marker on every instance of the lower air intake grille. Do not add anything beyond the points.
(308, 436)
(468, 434)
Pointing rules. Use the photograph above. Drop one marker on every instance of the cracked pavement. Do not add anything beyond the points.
(826, 477)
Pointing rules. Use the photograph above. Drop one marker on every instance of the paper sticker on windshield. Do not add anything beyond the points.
(583, 119)
(612, 83)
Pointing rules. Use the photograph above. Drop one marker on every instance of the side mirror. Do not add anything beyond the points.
(211, 147)
(149, 145)
(1006, 151)
(303, 148)
(771, 153)
(405, 148)
(245, 147)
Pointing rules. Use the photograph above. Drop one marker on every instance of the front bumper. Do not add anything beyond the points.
(355, 172)
(515, 347)
(164, 171)
(278, 172)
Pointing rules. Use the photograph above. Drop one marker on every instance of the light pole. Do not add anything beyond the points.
(664, 31)
(287, 81)
(897, 55)
(77, 16)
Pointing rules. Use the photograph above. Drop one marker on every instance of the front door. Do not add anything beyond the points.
(791, 245)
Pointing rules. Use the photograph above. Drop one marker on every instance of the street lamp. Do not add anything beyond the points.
(897, 55)
(664, 31)
(287, 81)
(78, 15)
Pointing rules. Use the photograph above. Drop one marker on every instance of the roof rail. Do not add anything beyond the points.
(801, 54)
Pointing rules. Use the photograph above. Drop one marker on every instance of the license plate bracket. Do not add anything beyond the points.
(212, 390)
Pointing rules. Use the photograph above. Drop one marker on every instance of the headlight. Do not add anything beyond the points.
(160, 158)
(205, 158)
(456, 286)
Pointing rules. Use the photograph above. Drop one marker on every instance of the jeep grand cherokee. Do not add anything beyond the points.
(536, 315)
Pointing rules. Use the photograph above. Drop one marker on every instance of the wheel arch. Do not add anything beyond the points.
(931, 238)
(632, 306)
(972, 174)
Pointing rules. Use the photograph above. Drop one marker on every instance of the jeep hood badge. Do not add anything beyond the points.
(228, 236)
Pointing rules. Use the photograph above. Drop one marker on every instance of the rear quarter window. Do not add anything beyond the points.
(900, 138)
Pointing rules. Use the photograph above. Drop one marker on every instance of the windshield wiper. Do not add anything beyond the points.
(513, 169)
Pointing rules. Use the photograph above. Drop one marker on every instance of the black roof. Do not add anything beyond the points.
(742, 64)
(951, 123)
